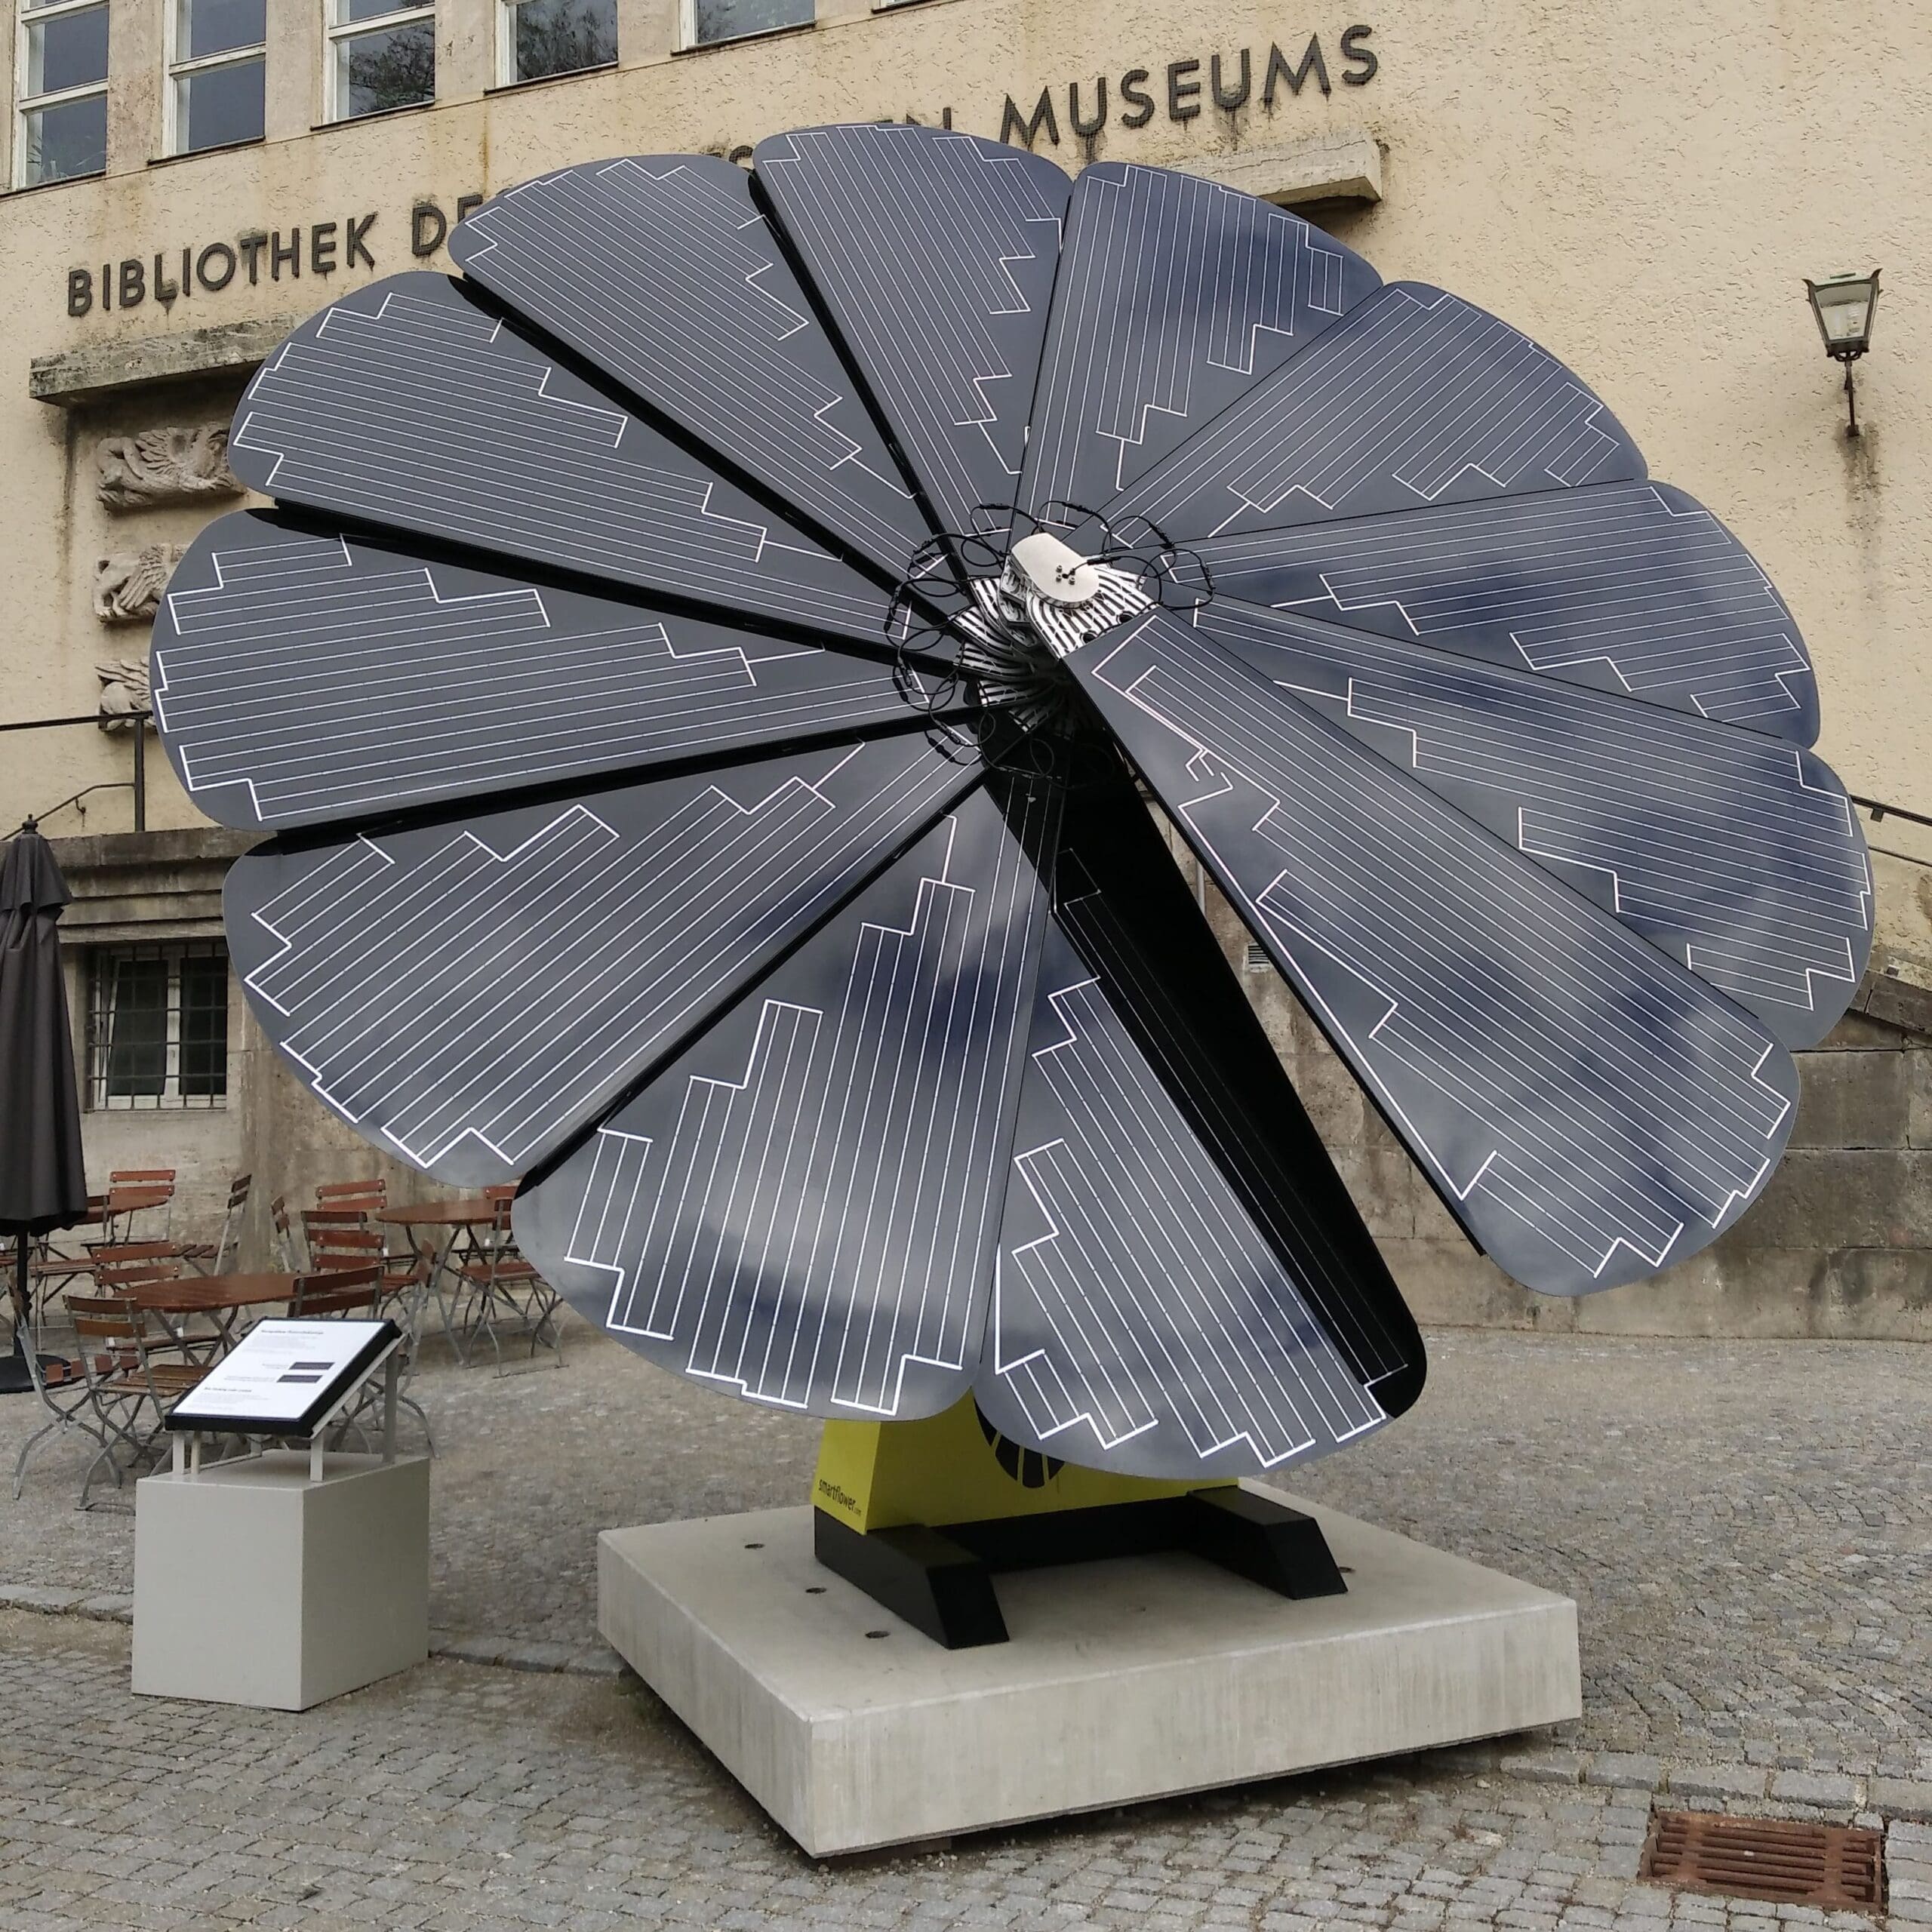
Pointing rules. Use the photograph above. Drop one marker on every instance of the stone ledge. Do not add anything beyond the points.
(1333, 168)
(79, 376)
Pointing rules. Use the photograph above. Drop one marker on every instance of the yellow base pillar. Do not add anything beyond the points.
(952, 1468)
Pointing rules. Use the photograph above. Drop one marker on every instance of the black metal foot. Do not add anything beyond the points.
(940, 1581)
(918, 1574)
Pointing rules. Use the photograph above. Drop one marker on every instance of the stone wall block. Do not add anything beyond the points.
(1853, 1099)
(1382, 1185)
(1918, 1103)
(1448, 1284)
(1822, 1198)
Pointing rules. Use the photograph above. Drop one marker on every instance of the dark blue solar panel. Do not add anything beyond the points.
(1417, 398)
(1738, 856)
(405, 406)
(1175, 296)
(1589, 1110)
(1628, 587)
(300, 677)
(470, 996)
(802, 1207)
(659, 270)
(933, 253)
(1184, 1284)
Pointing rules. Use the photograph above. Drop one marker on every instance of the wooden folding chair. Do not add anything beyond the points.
(353, 1293)
(290, 1262)
(221, 1256)
(126, 1267)
(500, 1281)
(62, 1388)
(125, 1382)
(133, 1191)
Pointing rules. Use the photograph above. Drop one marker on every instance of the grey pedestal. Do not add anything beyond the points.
(1126, 1680)
(255, 1584)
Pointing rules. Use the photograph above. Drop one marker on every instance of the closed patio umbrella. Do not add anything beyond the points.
(43, 1184)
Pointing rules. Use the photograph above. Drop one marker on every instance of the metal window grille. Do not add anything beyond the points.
(706, 21)
(537, 38)
(217, 70)
(158, 1026)
(381, 55)
(60, 90)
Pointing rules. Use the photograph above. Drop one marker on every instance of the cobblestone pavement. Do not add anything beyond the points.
(463, 1799)
(1747, 1528)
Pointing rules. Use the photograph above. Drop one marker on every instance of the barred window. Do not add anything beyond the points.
(158, 1026)
(382, 53)
(216, 70)
(60, 90)
(706, 21)
(540, 38)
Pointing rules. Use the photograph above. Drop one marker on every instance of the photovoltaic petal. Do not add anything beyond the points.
(1738, 856)
(1185, 1288)
(1416, 397)
(1628, 587)
(659, 271)
(934, 253)
(802, 1207)
(299, 679)
(471, 995)
(1175, 295)
(1589, 1109)
(406, 406)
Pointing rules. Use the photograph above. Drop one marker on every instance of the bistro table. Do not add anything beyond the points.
(433, 1229)
(220, 1297)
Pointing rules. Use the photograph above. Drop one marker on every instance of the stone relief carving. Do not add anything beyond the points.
(124, 692)
(128, 585)
(156, 466)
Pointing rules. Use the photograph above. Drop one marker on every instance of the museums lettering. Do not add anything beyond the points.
(1073, 113)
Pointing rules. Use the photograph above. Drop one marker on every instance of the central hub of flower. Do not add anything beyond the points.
(1047, 602)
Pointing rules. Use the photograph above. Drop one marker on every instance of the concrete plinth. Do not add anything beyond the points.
(1126, 1679)
(254, 1584)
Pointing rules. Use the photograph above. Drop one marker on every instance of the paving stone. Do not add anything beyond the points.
(1719, 1781)
(29, 1596)
(109, 1608)
(1543, 1767)
(1826, 1791)
(1628, 1770)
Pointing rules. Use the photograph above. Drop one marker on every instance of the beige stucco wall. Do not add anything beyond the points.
(1640, 186)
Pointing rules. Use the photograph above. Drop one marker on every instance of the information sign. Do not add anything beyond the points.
(284, 1378)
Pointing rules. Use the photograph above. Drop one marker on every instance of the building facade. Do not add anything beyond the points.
(1641, 188)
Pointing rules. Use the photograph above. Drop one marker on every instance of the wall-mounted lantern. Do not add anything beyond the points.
(1845, 306)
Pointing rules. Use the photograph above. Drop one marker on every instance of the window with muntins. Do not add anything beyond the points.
(708, 21)
(380, 56)
(158, 1026)
(540, 38)
(217, 69)
(60, 90)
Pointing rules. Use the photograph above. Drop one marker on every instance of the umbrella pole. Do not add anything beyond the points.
(16, 1373)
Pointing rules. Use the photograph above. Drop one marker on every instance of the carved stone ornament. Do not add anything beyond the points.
(157, 466)
(128, 585)
(124, 692)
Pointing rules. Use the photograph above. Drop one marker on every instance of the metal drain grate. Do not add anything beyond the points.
(1782, 1859)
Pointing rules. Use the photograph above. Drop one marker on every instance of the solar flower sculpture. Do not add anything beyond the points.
(705, 674)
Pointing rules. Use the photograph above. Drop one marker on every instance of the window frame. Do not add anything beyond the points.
(689, 43)
(173, 70)
(507, 75)
(406, 12)
(25, 19)
(102, 963)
